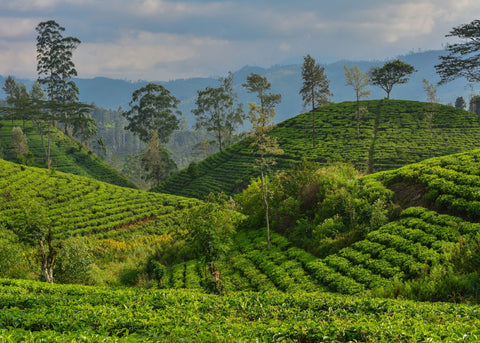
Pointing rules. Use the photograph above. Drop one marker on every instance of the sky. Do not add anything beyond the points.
(162, 40)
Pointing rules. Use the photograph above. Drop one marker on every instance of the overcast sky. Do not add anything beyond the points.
(166, 40)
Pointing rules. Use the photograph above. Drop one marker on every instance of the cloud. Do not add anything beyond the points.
(166, 39)
(17, 28)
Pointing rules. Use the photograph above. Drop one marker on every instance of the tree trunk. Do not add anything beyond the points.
(313, 119)
(265, 201)
(48, 260)
(358, 118)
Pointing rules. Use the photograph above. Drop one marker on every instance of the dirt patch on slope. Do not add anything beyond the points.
(408, 195)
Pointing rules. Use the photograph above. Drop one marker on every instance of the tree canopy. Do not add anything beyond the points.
(463, 59)
(390, 74)
(217, 110)
(152, 108)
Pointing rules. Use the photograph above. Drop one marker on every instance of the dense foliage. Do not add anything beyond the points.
(392, 133)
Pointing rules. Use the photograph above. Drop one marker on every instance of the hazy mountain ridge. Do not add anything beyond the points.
(285, 79)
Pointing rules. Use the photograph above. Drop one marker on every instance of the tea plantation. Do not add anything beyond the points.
(393, 133)
(276, 293)
(67, 154)
(38, 312)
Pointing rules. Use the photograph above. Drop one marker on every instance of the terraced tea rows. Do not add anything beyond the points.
(449, 184)
(67, 155)
(32, 312)
(80, 206)
(392, 133)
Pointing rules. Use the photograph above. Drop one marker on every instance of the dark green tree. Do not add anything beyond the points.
(315, 88)
(217, 111)
(156, 160)
(55, 66)
(463, 59)
(460, 103)
(390, 74)
(152, 108)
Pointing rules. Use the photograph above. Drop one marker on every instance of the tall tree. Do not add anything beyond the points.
(463, 59)
(390, 74)
(359, 81)
(153, 109)
(315, 88)
(218, 111)
(260, 85)
(266, 148)
(55, 66)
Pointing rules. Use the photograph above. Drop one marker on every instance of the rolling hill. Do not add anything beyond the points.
(67, 154)
(428, 251)
(392, 133)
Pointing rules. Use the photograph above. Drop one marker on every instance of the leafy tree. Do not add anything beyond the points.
(30, 222)
(218, 111)
(55, 66)
(260, 85)
(152, 109)
(85, 129)
(156, 160)
(390, 74)
(460, 103)
(266, 147)
(315, 88)
(463, 59)
(358, 80)
(210, 230)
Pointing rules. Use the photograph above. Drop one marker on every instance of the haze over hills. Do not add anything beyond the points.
(285, 79)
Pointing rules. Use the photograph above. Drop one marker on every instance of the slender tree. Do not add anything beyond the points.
(359, 81)
(315, 88)
(390, 74)
(266, 148)
(153, 109)
(218, 111)
(55, 66)
(260, 85)
(463, 59)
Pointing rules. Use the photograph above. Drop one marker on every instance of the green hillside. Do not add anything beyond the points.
(270, 293)
(67, 154)
(393, 133)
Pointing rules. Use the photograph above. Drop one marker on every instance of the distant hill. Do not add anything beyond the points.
(67, 154)
(392, 133)
(285, 79)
